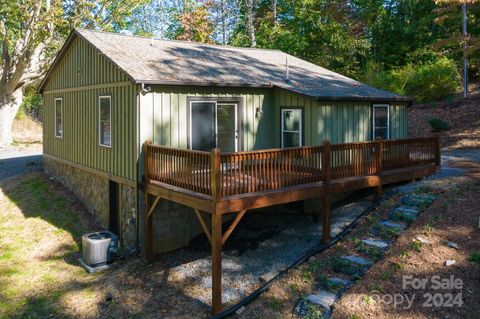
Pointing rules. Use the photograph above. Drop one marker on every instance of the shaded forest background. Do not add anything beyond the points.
(411, 47)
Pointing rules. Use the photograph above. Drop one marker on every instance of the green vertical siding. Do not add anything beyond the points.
(398, 121)
(80, 68)
(164, 115)
(336, 121)
(83, 65)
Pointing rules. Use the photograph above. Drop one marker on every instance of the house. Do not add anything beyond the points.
(106, 94)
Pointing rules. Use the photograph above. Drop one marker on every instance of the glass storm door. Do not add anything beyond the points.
(202, 126)
(213, 125)
(227, 133)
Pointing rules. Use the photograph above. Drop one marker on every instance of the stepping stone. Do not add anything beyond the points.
(417, 200)
(376, 242)
(334, 285)
(240, 310)
(406, 210)
(339, 281)
(399, 226)
(450, 262)
(322, 298)
(335, 231)
(303, 307)
(268, 276)
(453, 245)
(422, 239)
(358, 260)
(403, 217)
(425, 197)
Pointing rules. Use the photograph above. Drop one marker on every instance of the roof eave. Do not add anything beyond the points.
(203, 83)
(57, 59)
(378, 99)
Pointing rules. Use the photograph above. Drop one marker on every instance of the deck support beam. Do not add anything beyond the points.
(149, 226)
(216, 263)
(326, 213)
(233, 225)
(327, 175)
(204, 225)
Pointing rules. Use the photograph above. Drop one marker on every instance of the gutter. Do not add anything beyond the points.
(270, 86)
(203, 84)
(408, 100)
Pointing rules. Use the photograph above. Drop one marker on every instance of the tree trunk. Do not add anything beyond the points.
(251, 28)
(8, 110)
(274, 9)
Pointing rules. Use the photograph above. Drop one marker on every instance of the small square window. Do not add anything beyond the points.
(105, 121)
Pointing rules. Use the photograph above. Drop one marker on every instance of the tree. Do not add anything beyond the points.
(251, 23)
(31, 31)
(195, 23)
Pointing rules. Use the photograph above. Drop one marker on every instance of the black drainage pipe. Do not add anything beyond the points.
(313, 251)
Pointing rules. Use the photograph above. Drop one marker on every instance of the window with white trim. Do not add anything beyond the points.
(291, 128)
(59, 117)
(105, 120)
(381, 121)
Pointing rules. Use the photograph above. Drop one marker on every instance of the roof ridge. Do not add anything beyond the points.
(177, 41)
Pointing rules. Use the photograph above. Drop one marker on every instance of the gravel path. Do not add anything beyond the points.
(20, 160)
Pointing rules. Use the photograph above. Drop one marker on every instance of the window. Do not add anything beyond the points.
(59, 117)
(291, 127)
(105, 120)
(381, 121)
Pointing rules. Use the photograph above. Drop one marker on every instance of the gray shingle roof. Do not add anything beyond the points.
(177, 62)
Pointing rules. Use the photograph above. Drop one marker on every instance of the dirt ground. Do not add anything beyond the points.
(27, 130)
(462, 116)
(453, 217)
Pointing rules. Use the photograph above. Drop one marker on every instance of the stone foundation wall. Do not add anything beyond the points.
(128, 216)
(93, 192)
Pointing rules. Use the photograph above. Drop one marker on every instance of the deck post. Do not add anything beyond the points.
(438, 147)
(148, 237)
(216, 234)
(216, 263)
(379, 166)
(215, 175)
(326, 209)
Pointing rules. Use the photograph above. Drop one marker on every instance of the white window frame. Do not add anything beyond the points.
(300, 127)
(61, 116)
(100, 121)
(375, 106)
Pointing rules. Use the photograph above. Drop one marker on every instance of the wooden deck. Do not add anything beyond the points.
(220, 183)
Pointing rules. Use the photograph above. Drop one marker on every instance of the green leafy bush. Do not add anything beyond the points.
(433, 81)
(31, 105)
(426, 82)
(474, 257)
(438, 125)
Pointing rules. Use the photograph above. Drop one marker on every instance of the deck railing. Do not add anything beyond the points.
(225, 174)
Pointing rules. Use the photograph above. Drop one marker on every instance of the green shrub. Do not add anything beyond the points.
(31, 105)
(438, 125)
(433, 81)
(474, 257)
(426, 82)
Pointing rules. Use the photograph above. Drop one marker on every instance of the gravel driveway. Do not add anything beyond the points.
(20, 160)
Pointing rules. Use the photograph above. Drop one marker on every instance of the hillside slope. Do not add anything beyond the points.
(463, 116)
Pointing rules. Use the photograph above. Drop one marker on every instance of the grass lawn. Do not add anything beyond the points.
(40, 227)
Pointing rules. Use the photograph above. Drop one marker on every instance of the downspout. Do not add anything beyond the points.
(137, 109)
